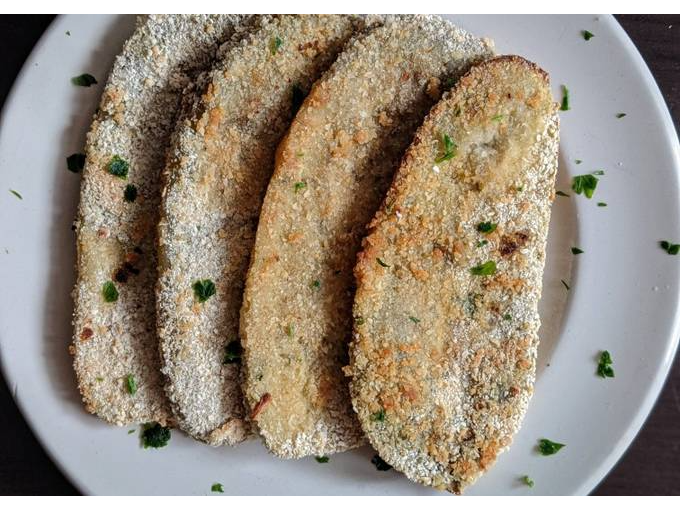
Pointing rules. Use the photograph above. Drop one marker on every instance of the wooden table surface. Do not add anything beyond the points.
(651, 465)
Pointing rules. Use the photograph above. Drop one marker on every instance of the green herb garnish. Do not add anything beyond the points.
(300, 186)
(203, 289)
(155, 436)
(497, 118)
(584, 184)
(578, 161)
(671, 249)
(275, 45)
(604, 366)
(68, 32)
(587, 35)
(380, 464)
(131, 431)
(232, 353)
(486, 227)
(548, 447)
(449, 149)
(481, 243)
(565, 99)
(379, 416)
(576, 251)
(16, 194)
(110, 292)
(561, 194)
(507, 317)
(358, 321)
(602, 204)
(620, 115)
(290, 330)
(414, 320)
(379, 260)
(316, 285)
(217, 487)
(486, 269)
(118, 167)
(75, 162)
(322, 460)
(130, 384)
(527, 481)
(130, 193)
(565, 284)
(597, 172)
(84, 80)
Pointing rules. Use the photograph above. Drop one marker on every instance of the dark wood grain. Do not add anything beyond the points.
(651, 465)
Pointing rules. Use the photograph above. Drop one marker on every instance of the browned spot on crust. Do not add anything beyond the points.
(86, 333)
(259, 407)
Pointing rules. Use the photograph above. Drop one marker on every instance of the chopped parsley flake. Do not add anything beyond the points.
(597, 172)
(620, 115)
(507, 317)
(118, 167)
(413, 319)
(316, 285)
(130, 193)
(84, 80)
(16, 194)
(131, 431)
(68, 32)
(75, 162)
(110, 292)
(99, 379)
(587, 35)
(497, 118)
(481, 243)
(380, 261)
(486, 269)
(299, 186)
(203, 289)
(232, 353)
(566, 286)
(584, 184)
(565, 99)
(449, 149)
(548, 447)
(130, 384)
(155, 436)
(359, 321)
(578, 161)
(380, 464)
(671, 249)
(602, 204)
(604, 366)
(525, 479)
(561, 194)
(217, 487)
(275, 45)
(290, 330)
(322, 460)
(379, 416)
(486, 227)
(576, 251)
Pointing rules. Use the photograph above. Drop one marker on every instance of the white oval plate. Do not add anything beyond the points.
(623, 297)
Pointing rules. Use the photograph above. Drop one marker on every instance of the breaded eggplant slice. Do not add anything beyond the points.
(446, 309)
(331, 174)
(217, 174)
(115, 346)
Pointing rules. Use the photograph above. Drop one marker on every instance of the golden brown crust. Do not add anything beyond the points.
(331, 172)
(443, 357)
